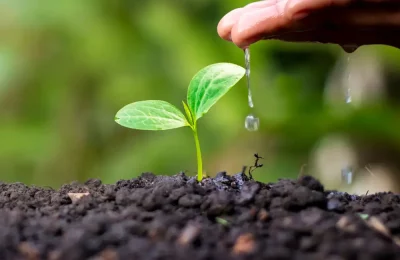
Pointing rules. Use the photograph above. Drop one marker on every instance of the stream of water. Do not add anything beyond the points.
(251, 123)
(347, 172)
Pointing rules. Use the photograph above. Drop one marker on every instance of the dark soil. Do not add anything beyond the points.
(176, 218)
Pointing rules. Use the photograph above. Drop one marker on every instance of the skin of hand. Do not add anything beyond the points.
(349, 23)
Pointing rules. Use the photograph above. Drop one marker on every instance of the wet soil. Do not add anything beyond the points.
(227, 217)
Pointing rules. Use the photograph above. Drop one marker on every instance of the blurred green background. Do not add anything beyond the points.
(66, 68)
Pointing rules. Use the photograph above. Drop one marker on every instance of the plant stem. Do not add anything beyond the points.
(198, 151)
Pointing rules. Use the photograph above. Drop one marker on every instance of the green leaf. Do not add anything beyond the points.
(151, 115)
(188, 113)
(210, 84)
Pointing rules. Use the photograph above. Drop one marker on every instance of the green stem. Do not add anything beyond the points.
(198, 150)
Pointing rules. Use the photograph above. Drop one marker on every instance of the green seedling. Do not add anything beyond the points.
(205, 89)
(222, 221)
(363, 216)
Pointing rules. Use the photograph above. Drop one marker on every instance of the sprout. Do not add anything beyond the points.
(205, 89)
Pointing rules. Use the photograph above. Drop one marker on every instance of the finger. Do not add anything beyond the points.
(252, 25)
(265, 22)
(227, 22)
(263, 19)
(225, 25)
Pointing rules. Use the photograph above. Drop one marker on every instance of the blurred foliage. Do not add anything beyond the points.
(66, 68)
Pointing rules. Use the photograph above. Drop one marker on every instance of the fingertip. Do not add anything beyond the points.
(243, 39)
(237, 37)
(227, 22)
(223, 31)
(255, 25)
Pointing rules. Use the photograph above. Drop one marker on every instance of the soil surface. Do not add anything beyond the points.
(227, 217)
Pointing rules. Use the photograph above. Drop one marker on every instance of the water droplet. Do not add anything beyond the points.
(252, 123)
(348, 81)
(347, 172)
(247, 62)
(348, 97)
(347, 175)
(350, 48)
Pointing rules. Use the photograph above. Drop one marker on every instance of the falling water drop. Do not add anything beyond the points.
(252, 122)
(347, 175)
(348, 81)
(347, 172)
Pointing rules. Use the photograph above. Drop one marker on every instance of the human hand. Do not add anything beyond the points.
(349, 23)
